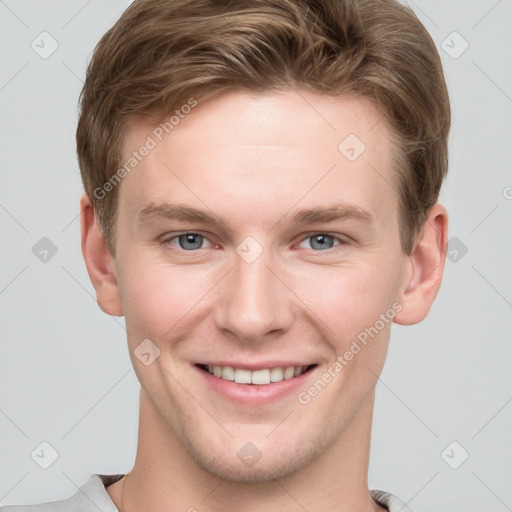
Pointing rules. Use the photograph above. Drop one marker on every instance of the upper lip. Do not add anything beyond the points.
(257, 366)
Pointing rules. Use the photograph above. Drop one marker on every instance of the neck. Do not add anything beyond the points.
(165, 478)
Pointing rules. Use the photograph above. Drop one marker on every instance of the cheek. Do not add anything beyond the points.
(347, 299)
(156, 296)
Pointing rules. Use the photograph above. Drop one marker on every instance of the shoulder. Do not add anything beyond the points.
(390, 501)
(53, 506)
(90, 497)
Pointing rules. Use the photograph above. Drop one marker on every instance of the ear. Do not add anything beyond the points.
(425, 267)
(98, 260)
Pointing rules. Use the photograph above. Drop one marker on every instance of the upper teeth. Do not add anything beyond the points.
(261, 377)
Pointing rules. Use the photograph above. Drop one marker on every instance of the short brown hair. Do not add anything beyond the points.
(161, 52)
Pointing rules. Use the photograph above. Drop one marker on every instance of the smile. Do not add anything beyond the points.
(257, 377)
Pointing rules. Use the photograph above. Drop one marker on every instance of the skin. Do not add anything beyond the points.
(254, 160)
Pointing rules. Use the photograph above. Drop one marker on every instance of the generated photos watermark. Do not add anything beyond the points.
(357, 345)
(151, 142)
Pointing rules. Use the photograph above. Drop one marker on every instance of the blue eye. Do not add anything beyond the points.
(192, 242)
(189, 241)
(323, 241)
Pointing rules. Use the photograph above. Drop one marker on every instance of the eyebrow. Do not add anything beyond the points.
(332, 213)
(181, 212)
(338, 212)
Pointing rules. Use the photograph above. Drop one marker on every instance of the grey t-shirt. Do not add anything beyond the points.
(93, 497)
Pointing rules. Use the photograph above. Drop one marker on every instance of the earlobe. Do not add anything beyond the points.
(425, 268)
(98, 260)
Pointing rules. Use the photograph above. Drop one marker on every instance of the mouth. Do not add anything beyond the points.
(259, 377)
(256, 385)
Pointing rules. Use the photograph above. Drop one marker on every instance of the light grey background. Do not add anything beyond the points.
(66, 377)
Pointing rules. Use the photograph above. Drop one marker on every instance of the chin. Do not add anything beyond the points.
(272, 462)
(232, 470)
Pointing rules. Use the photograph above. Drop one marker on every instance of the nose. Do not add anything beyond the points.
(254, 304)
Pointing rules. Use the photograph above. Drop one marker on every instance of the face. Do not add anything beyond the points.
(249, 242)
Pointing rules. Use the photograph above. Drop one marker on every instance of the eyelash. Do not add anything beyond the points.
(341, 241)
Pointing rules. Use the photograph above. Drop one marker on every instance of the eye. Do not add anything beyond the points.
(187, 241)
(322, 241)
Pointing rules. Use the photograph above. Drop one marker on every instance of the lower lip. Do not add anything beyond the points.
(254, 394)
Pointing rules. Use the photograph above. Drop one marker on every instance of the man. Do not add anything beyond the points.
(261, 181)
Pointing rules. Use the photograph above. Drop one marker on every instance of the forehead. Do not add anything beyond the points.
(251, 152)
